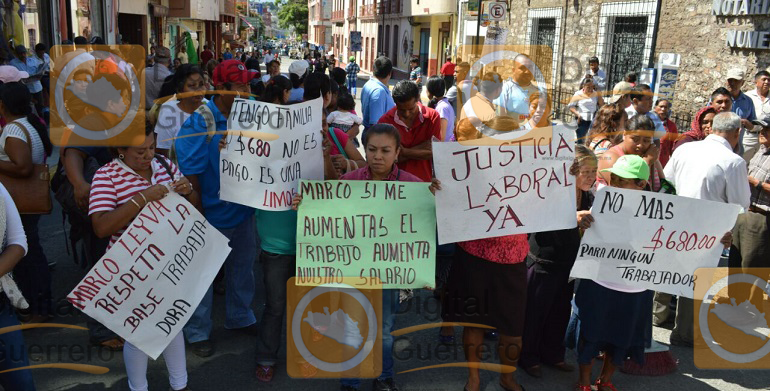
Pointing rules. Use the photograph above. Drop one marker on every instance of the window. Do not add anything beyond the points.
(394, 53)
(544, 30)
(625, 38)
(386, 46)
(32, 40)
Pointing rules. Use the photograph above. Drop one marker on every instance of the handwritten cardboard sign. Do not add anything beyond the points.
(269, 149)
(516, 187)
(653, 241)
(367, 229)
(147, 285)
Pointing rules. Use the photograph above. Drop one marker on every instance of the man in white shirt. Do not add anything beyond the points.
(641, 103)
(600, 78)
(708, 170)
(268, 57)
(519, 90)
(759, 96)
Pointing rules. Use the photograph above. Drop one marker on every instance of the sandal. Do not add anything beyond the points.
(601, 386)
(307, 370)
(265, 373)
(112, 344)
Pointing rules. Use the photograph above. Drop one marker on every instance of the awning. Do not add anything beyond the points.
(247, 22)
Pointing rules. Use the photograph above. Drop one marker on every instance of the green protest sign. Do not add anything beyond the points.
(384, 230)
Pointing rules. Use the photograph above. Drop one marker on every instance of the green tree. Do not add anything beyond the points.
(293, 13)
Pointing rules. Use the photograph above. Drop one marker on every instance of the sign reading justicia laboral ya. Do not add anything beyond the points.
(745, 39)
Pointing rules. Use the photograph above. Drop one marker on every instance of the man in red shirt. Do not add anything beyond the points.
(424, 124)
(206, 56)
(448, 71)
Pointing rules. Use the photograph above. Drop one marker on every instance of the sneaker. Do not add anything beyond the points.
(203, 349)
(384, 385)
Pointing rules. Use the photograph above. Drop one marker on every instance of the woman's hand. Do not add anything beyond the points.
(727, 239)
(435, 184)
(182, 186)
(154, 193)
(584, 219)
(222, 143)
(82, 193)
(296, 201)
(340, 163)
(327, 147)
(652, 154)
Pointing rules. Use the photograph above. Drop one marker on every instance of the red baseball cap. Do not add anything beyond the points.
(232, 71)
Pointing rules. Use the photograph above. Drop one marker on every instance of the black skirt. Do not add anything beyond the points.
(486, 293)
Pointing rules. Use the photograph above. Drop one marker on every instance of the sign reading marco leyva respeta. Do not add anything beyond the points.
(653, 241)
(147, 285)
(366, 229)
(269, 149)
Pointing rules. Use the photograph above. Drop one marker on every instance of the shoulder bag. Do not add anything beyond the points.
(31, 194)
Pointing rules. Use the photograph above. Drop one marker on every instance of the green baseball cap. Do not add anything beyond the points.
(630, 167)
(352, 58)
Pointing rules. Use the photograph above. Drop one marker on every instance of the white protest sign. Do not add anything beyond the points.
(269, 149)
(652, 241)
(516, 187)
(148, 284)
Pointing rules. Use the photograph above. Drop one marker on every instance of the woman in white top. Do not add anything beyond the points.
(583, 105)
(23, 142)
(13, 246)
(190, 85)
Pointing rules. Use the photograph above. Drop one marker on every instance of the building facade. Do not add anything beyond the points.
(319, 24)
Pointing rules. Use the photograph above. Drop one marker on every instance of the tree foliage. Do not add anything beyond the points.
(293, 14)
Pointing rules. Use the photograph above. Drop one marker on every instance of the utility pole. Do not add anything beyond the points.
(478, 28)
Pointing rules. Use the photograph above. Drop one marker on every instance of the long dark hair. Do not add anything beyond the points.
(436, 87)
(17, 99)
(317, 85)
(275, 88)
(182, 73)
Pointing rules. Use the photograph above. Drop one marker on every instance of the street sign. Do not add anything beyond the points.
(497, 10)
(355, 41)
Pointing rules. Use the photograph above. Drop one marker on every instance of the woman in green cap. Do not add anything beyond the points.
(611, 317)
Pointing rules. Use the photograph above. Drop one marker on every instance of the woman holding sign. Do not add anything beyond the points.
(383, 144)
(549, 291)
(610, 317)
(487, 287)
(119, 192)
(637, 140)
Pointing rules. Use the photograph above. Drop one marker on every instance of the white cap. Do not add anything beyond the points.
(10, 74)
(299, 67)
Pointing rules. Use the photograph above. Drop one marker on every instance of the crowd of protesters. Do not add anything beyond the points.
(623, 138)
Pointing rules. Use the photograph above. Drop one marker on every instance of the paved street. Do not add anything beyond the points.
(232, 367)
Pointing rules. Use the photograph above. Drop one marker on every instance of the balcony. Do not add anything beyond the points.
(338, 16)
(351, 13)
(368, 11)
(194, 9)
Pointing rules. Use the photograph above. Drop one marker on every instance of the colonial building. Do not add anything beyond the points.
(709, 37)
(320, 26)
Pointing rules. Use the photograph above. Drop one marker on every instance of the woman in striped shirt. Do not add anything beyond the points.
(119, 191)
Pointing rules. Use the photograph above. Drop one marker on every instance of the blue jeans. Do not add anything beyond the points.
(582, 130)
(240, 285)
(352, 86)
(389, 308)
(13, 352)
